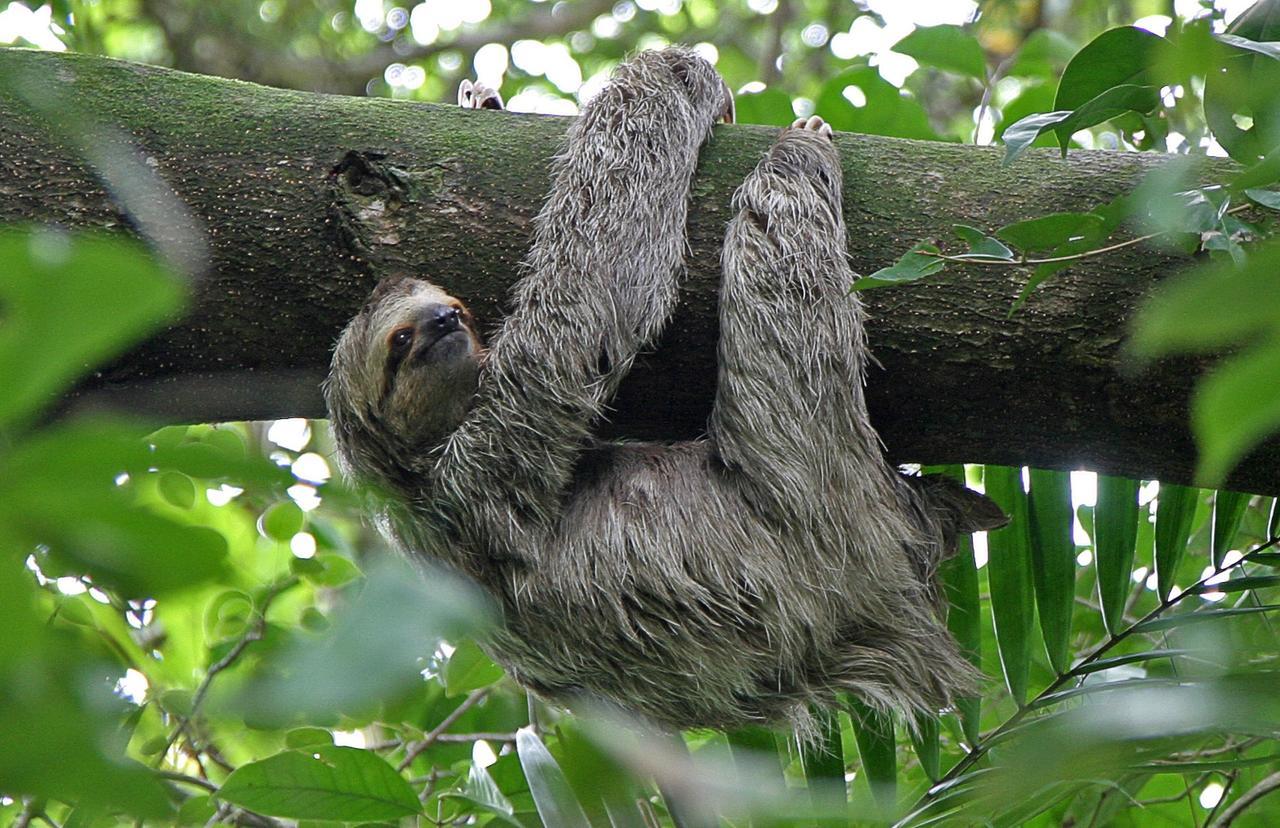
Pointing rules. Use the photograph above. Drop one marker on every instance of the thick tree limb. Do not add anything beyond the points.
(305, 200)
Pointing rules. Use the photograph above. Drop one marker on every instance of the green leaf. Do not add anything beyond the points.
(945, 47)
(1240, 102)
(1174, 514)
(1210, 307)
(305, 737)
(1009, 573)
(1267, 198)
(959, 577)
(980, 244)
(1053, 555)
(878, 749)
(771, 107)
(177, 489)
(1046, 232)
(1107, 105)
(1228, 510)
(824, 764)
(1115, 520)
(1240, 584)
(883, 109)
(469, 669)
(1117, 58)
(323, 782)
(914, 265)
(925, 742)
(1130, 658)
(1042, 55)
(552, 795)
(76, 301)
(1235, 407)
(1201, 616)
(335, 571)
(481, 790)
(282, 521)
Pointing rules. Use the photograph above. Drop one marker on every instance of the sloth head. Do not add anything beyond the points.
(404, 371)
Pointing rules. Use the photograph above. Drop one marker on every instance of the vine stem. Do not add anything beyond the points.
(434, 736)
(980, 750)
(1024, 261)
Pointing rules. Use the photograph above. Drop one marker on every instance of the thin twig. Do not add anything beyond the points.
(1025, 262)
(434, 736)
(174, 776)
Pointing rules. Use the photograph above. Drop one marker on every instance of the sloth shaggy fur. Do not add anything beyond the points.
(746, 577)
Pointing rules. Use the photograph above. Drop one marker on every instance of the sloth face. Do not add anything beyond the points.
(409, 363)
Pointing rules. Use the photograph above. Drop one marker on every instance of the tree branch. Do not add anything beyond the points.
(305, 200)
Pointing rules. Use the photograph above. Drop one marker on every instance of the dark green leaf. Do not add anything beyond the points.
(1045, 232)
(1131, 658)
(964, 618)
(1240, 103)
(878, 749)
(924, 739)
(1269, 49)
(1020, 134)
(980, 244)
(1115, 533)
(304, 737)
(177, 489)
(1107, 105)
(481, 790)
(1174, 513)
(323, 782)
(912, 266)
(945, 47)
(76, 300)
(551, 792)
(1053, 554)
(334, 571)
(1009, 573)
(1228, 510)
(469, 669)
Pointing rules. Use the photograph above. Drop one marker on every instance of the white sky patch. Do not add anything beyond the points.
(1084, 492)
(708, 52)
(293, 433)
(17, 22)
(491, 62)
(979, 549)
(1211, 795)
(311, 467)
(542, 102)
(68, 585)
(349, 738)
(303, 545)
(482, 754)
(1154, 23)
(223, 495)
(133, 686)
(1085, 557)
(305, 496)
(592, 85)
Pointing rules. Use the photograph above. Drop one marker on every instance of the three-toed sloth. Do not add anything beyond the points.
(744, 577)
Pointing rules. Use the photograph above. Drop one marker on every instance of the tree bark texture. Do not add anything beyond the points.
(306, 200)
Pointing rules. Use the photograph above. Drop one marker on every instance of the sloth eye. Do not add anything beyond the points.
(401, 339)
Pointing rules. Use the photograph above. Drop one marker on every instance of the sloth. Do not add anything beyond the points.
(753, 576)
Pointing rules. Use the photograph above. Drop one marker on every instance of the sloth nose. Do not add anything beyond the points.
(441, 318)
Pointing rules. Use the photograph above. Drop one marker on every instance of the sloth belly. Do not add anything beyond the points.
(663, 595)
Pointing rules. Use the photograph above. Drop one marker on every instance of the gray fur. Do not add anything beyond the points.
(740, 578)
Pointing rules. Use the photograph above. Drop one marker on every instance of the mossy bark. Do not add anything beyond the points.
(305, 200)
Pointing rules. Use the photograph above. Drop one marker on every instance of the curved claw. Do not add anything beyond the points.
(478, 96)
(730, 113)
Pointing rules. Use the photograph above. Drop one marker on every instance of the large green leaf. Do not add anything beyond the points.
(1234, 408)
(324, 782)
(551, 791)
(915, 264)
(1046, 232)
(1174, 513)
(925, 740)
(1115, 521)
(71, 302)
(1121, 57)
(1228, 510)
(1054, 556)
(959, 577)
(878, 748)
(1009, 573)
(945, 47)
(883, 110)
(1108, 104)
(469, 669)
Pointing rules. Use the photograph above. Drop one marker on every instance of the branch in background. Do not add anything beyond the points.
(1247, 799)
